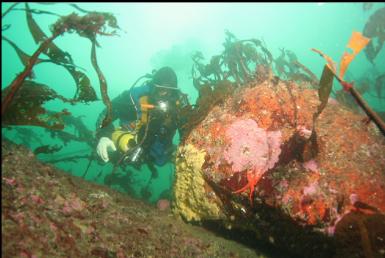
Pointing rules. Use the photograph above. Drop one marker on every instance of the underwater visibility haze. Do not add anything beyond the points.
(278, 110)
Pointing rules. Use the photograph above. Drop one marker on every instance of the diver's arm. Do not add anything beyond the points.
(103, 135)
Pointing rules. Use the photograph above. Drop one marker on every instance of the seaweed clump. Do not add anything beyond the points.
(89, 25)
(26, 108)
(375, 29)
(237, 62)
(241, 64)
(356, 43)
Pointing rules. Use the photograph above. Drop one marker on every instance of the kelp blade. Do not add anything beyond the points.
(356, 43)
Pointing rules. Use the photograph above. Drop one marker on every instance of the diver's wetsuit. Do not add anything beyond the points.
(161, 129)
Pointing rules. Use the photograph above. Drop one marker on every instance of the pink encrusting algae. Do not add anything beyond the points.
(251, 147)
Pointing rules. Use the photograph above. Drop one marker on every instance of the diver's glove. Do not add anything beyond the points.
(104, 145)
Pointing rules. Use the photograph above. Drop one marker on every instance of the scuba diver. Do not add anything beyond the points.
(148, 117)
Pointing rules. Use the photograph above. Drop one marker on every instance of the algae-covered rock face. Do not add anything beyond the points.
(256, 161)
(234, 146)
(193, 200)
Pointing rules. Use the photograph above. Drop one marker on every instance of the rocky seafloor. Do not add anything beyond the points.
(49, 213)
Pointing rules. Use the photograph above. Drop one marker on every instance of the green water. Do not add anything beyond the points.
(159, 34)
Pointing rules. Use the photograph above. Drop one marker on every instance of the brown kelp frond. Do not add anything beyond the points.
(67, 137)
(329, 61)
(24, 57)
(356, 43)
(288, 67)
(325, 87)
(88, 25)
(19, 80)
(47, 149)
(103, 87)
(78, 8)
(73, 159)
(282, 66)
(73, 124)
(8, 10)
(81, 132)
(237, 62)
(37, 33)
(375, 29)
(242, 62)
(26, 108)
(37, 11)
(241, 57)
(85, 92)
(304, 74)
(206, 73)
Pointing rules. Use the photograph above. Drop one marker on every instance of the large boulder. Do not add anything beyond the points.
(257, 163)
